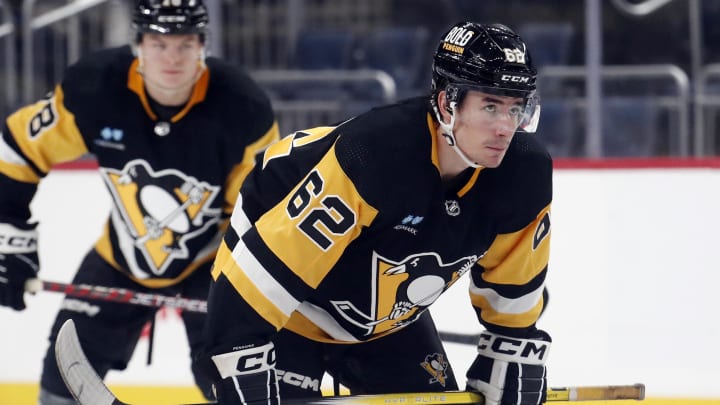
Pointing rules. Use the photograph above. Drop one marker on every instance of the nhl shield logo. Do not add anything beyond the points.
(452, 207)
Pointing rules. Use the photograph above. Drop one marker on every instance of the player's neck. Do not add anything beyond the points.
(168, 97)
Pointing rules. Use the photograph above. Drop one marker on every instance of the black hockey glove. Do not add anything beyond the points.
(244, 377)
(510, 370)
(18, 263)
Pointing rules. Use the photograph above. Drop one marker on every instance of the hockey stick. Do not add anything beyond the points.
(120, 295)
(461, 338)
(89, 389)
(125, 296)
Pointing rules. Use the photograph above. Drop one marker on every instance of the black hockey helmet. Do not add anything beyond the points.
(170, 17)
(490, 58)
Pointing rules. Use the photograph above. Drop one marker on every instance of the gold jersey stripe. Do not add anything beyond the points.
(47, 134)
(467, 187)
(19, 172)
(511, 258)
(297, 139)
(284, 236)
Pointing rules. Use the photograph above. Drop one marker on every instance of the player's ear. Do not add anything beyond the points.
(201, 58)
(444, 106)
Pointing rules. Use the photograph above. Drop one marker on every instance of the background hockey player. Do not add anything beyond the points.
(344, 236)
(174, 134)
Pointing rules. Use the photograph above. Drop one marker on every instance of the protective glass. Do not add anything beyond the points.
(526, 115)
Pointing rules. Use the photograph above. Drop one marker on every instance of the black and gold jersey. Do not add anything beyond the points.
(348, 233)
(173, 180)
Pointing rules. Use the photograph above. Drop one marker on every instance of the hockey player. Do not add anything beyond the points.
(343, 236)
(174, 134)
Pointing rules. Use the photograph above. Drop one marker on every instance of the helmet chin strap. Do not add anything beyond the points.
(449, 135)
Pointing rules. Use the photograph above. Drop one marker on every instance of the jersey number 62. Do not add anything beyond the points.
(320, 222)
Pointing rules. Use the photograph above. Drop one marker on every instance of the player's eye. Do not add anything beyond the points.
(515, 111)
(491, 108)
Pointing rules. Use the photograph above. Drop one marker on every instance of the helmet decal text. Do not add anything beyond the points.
(514, 55)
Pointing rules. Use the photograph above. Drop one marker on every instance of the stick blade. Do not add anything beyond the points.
(80, 378)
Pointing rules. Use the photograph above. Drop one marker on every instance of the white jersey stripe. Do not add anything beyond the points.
(266, 283)
(323, 320)
(504, 305)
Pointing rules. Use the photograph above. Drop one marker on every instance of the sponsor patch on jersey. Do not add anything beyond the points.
(408, 224)
(110, 138)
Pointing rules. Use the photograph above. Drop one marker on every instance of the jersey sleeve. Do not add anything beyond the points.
(35, 138)
(276, 252)
(507, 286)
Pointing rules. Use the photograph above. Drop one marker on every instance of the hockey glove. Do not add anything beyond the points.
(246, 377)
(510, 370)
(18, 263)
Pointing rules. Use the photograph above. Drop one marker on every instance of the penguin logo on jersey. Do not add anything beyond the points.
(403, 289)
(436, 366)
(161, 211)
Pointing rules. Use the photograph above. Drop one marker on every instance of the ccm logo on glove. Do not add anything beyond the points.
(509, 349)
(246, 361)
(14, 240)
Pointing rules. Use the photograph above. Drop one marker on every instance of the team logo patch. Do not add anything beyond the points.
(436, 366)
(161, 211)
(402, 290)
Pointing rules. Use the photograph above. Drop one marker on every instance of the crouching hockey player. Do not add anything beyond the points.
(343, 236)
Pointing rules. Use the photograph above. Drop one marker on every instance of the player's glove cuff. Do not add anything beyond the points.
(247, 376)
(510, 370)
(18, 262)
(16, 240)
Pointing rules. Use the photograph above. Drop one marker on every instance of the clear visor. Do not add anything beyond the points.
(525, 115)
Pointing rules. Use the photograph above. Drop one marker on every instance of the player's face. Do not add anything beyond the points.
(485, 125)
(171, 62)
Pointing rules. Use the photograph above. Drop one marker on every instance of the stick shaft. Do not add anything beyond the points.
(610, 392)
(120, 295)
(564, 394)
